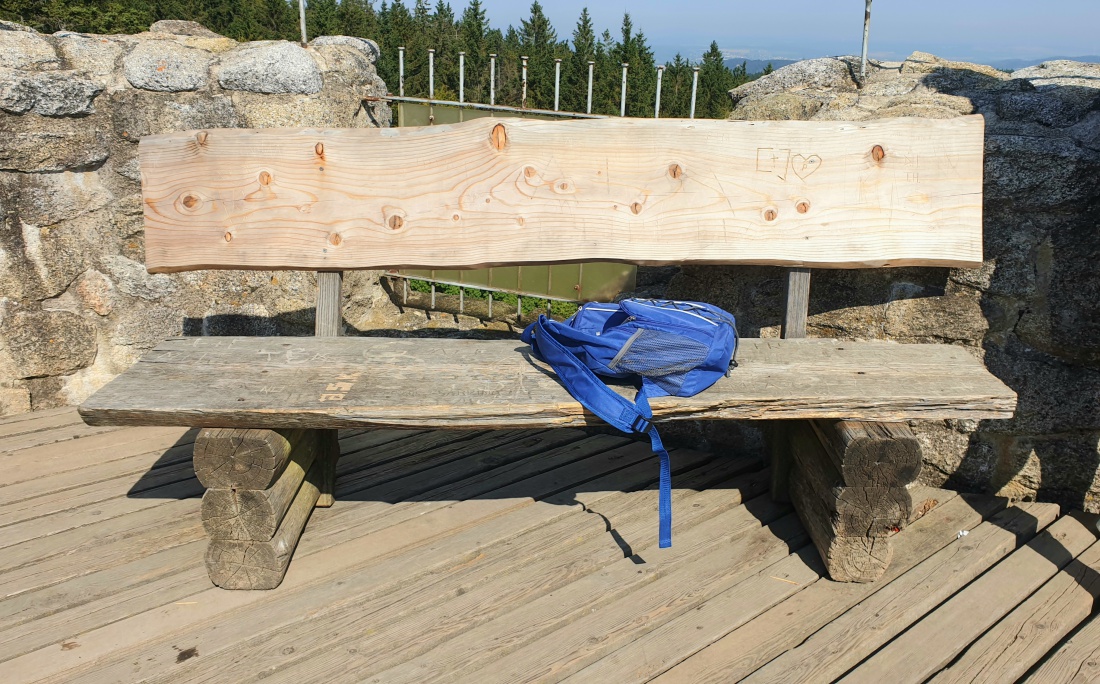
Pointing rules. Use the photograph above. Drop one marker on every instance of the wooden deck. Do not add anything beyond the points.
(514, 556)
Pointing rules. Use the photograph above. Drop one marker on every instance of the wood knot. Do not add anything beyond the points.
(228, 236)
(190, 201)
(319, 148)
(675, 171)
(770, 214)
(499, 136)
(636, 207)
(396, 222)
(265, 178)
(335, 239)
(877, 153)
(529, 171)
(455, 217)
(200, 137)
(802, 207)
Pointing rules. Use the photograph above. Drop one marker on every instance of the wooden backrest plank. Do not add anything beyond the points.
(821, 194)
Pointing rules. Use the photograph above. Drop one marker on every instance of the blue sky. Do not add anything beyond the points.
(956, 29)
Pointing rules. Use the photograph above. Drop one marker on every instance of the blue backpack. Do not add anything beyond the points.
(670, 348)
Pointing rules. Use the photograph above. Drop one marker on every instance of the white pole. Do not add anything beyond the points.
(461, 76)
(622, 95)
(302, 20)
(657, 104)
(866, 31)
(557, 82)
(401, 71)
(591, 65)
(694, 89)
(431, 73)
(492, 78)
(523, 100)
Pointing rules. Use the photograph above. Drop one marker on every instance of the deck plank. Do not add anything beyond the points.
(1008, 650)
(418, 617)
(487, 556)
(853, 636)
(36, 421)
(1075, 662)
(747, 648)
(396, 554)
(62, 456)
(931, 643)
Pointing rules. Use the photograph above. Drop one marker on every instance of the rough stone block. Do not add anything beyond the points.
(166, 66)
(137, 113)
(33, 143)
(94, 56)
(182, 28)
(48, 343)
(23, 48)
(50, 93)
(270, 67)
(365, 45)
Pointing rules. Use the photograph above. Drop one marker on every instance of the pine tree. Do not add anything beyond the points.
(357, 18)
(472, 39)
(538, 41)
(715, 82)
(321, 18)
(575, 80)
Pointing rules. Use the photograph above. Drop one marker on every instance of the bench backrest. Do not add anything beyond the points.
(819, 194)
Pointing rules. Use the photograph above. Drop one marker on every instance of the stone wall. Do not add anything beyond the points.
(76, 305)
(1032, 311)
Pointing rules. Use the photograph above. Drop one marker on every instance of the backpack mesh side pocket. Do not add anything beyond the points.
(663, 357)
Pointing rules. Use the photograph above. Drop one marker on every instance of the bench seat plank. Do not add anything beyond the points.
(385, 382)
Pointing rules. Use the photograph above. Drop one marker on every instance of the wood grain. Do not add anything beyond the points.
(668, 191)
(248, 459)
(847, 559)
(850, 511)
(359, 382)
(329, 322)
(1034, 628)
(859, 632)
(262, 565)
(933, 642)
(254, 515)
(871, 454)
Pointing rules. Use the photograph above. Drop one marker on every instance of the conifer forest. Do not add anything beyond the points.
(393, 24)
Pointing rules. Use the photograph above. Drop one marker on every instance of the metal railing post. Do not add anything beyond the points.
(461, 76)
(622, 95)
(431, 73)
(302, 20)
(557, 83)
(591, 66)
(694, 89)
(866, 32)
(492, 78)
(401, 71)
(657, 103)
(523, 98)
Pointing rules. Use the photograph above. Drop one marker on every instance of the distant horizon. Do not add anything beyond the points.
(982, 31)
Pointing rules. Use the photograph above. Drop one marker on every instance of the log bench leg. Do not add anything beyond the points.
(262, 487)
(848, 486)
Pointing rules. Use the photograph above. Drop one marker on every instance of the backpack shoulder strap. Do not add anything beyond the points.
(616, 410)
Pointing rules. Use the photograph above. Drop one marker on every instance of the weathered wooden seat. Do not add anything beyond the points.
(801, 194)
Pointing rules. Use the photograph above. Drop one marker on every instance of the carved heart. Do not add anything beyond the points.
(803, 166)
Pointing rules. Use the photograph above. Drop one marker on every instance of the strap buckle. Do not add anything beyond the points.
(640, 424)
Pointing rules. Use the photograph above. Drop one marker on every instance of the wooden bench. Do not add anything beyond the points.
(805, 195)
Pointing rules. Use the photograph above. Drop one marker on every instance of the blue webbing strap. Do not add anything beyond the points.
(613, 408)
